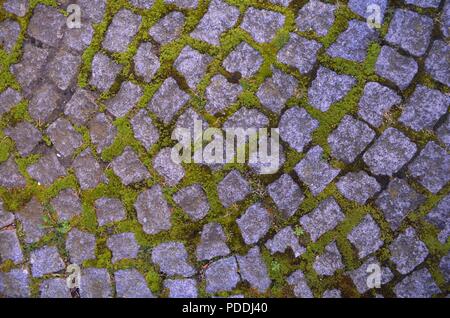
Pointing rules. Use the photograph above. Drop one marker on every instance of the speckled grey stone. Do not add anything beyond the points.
(424, 108)
(286, 194)
(47, 25)
(233, 188)
(121, 31)
(109, 210)
(444, 266)
(17, 7)
(29, 69)
(8, 99)
(44, 104)
(259, 163)
(192, 65)
(390, 152)
(397, 201)
(64, 137)
(31, 218)
(314, 171)
(146, 62)
(254, 223)
(80, 246)
(431, 167)
(168, 100)
(66, 204)
(45, 260)
(172, 259)
(9, 32)
(78, 39)
(244, 59)
(437, 63)
(419, 284)
(127, 97)
(332, 293)
(63, 69)
(10, 176)
(153, 212)
(168, 28)
(212, 242)
(262, 24)
(104, 72)
(220, 94)
(95, 283)
(123, 246)
(300, 53)
(47, 169)
(181, 288)
(322, 219)
(88, 171)
(276, 90)
(93, 9)
(10, 247)
(184, 4)
(144, 130)
(143, 4)
(131, 284)
(350, 139)
(328, 88)
(440, 217)
(284, 239)
(171, 171)
(366, 236)
(15, 284)
(361, 7)
(222, 275)
(445, 19)
(443, 132)
(192, 199)
(283, 3)
(376, 102)
(81, 107)
(329, 262)
(55, 288)
(25, 136)
(361, 275)
(408, 251)
(298, 282)
(102, 132)
(219, 18)
(316, 16)
(411, 31)
(397, 68)
(358, 186)
(6, 218)
(253, 270)
(246, 118)
(129, 168)
(424, 3)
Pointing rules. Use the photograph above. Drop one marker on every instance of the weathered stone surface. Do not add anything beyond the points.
(361, 7)
(181, 288)
(300, 285)
(233, 188)
(64, 137)
(192, 65)
(28, 70)
(78, 39)
(104, 72)
(44, 104)
(93, 9)
(17, 7)
(322, 219)
(10, 247)
(193, 201)
(437, 63)
(360, 276)
(9, 32)
(443, 132)
(184, 4)
(397, 201)
(444, 266)
(45, 260)
(10, 176)
(390, 152)
(262, 25)
(143, 4)
(431, 167)
(253, 270)
(46, 25)
(66, 204)
(6, 218)
(8, 99)
(125, 100)
(408, 251)
(424, 3)
(121, 31)
(366, 236)
(283, 3)
(376, 102)
(189, 120)
(300, 53)
(316, 16)
(102, 132)
(246, 118)
(153, 212)
(171, 171)
(31, 218)
(219, 18)
(411, 31)
(172, 259)
(146, 62)
(286, 194)
(445, 19)
(314, 171)
(267, 165)
(222, 275)
(123, 246)
(168, 100)
(144, 130)
(26, 137)
(63, 69)
(254, 223)
(81, 107)
(283, 240)
(220, 94)
(55, 288)
(212, 242)
(129, 168)
(109, 210)
(424, 108)
(95, 283)
(328, 88)
(358, 186)
(329, 262)
(440, 217)
(80, 246)
(244, 60)
(168, 28)
(15, 284)
(397, 68)
(332, 293)
(131, 284)
(47, 169)
(419, 284)
(88, 171)
(276, 90)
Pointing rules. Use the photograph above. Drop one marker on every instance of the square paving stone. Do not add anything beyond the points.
(358, 186)
(314, 171)
(286, 194)
(104, 72)
(360, 276)
(153, 212)
(262, 25)
(146, 62)
(131, 284)
(395, 67)
(184, 4)
(431, 167)
(9, 33)
(29, 69)
(437, 63)
(64, 137)
(445, 19)
(181, 288)
(246, 118)
(366, 236)
(283, 3)
(322, 219)
(361, 7)
(47, 169)
(219, 18)
(6, 218)
(233, 188)
(95, 283)
(66, 204)
(390, 152)
(15, 284)
(143, 4)
(284, 239)
(102, 132)
(328, 88)
(212, 242)
(443, 132)
(46, 25)
(129, 168)
(81, 107)
(424, 3)
(222, 275)
(10, 247)
(254, 223)
(276, 90)
(332, 293)
(168, 100)
(350, 139)
(192, 65)
(109, 210)
(88, 171)
(93, 9)
(25, 136)
(193, 201)
(63, 69)
(17, 7)
(424, 108)
(420, 284)
(244, 60)
(80, 246)
(376, 102)
(144, 130)
(45, 260)
(169, 28)
(329, 262)
(253, 270)
(127, 97)
(298, 282)
(55, 288)
(440, 217)
(300, 53)
(411, 31)
(172, 259)
(121, 31)
(444, 266)
(220, 94)
(397, 201)
(8, 99)
(316, 16)
(31, 218)
(123, 246)
(10, 176)
(45, 103)
(408, 251)
(78, 39)
(171, 171)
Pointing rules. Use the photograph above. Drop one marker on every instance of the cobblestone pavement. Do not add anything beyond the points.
(86, 121)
